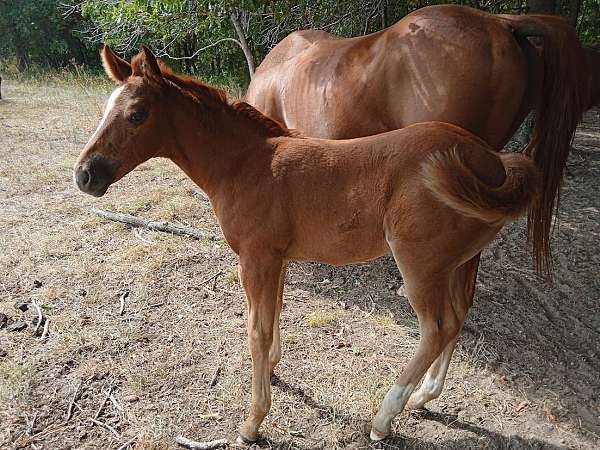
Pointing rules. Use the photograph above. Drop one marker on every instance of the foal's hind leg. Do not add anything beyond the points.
(462, 291)
(439, 325)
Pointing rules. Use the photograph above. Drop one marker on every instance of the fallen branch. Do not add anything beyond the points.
(194, 445)
(165, 227)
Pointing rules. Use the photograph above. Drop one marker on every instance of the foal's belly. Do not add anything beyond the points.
(338, 246)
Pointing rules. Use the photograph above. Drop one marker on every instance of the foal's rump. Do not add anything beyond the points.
(430, 181)
(493, 188)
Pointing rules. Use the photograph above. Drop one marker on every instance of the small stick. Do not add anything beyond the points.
(110, 388)
(122, 298)
(137, 234)
(46, 327)
(127, 444)
(106, 426)
(194, 445)
(115, 403)
(39, 313)
(213, 277)
(165, 227)
(215, 376)
(372, 307)
(70, 410)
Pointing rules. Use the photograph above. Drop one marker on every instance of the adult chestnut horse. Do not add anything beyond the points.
(433, 194)
(449, 63)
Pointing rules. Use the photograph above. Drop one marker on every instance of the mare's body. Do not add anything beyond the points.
(445, 63)
(448, 63)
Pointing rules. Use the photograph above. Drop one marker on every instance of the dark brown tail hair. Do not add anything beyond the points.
(560, 107)
(457, 184)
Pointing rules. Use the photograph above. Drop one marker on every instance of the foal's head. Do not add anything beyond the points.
(133, 127)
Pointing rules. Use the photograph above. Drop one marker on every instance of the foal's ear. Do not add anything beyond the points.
(145, 65)
(116, 68)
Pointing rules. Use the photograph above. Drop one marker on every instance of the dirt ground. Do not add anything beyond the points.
(525, 375)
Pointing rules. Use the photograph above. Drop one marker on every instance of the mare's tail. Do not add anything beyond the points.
(564, 93)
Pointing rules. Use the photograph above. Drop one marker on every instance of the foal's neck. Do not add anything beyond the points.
(217, 144)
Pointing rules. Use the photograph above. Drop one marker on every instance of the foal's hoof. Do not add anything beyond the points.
(241, 440)
(375, 436)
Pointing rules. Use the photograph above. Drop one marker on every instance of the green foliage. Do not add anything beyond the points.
(35, 32)
(588, 24)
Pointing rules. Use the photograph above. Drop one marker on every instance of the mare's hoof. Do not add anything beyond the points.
(375, 436)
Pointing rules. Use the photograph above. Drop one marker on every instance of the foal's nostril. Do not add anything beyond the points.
(85, 177)
(95, 174)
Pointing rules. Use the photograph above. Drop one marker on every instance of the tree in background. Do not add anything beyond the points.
(541, 6)
(37, 32)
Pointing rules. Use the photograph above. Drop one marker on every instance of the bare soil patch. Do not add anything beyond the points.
(175, 362)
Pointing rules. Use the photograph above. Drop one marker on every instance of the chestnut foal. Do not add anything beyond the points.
(432, 194)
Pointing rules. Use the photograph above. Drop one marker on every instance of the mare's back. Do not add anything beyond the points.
(438, 63)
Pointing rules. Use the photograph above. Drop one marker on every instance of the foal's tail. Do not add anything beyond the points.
(474, 185)
(564, 92)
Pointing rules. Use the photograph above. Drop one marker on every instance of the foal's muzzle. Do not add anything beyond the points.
(94, 175)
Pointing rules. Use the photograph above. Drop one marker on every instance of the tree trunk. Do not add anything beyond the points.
(243, 42)
(541, 6)
(384, 15)
(574, 7)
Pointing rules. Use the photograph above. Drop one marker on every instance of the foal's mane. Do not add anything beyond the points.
(210, 96)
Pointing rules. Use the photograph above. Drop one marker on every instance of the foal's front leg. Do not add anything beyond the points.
(275, 352)
(260, 275)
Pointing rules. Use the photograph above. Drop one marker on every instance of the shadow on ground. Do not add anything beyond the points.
(482, 438)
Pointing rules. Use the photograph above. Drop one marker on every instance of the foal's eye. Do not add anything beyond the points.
(137, 117)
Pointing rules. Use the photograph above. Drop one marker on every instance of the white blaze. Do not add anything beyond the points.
(109, 106)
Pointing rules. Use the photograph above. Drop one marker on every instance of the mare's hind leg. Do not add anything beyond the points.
(462, 292)
(275, 352)
(429, 295)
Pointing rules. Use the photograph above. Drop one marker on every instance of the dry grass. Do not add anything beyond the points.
(345, 331)
(320, 318)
